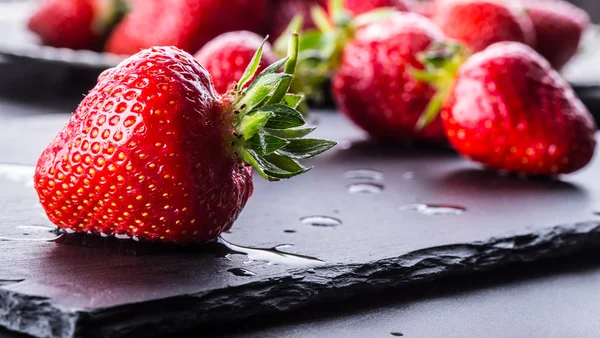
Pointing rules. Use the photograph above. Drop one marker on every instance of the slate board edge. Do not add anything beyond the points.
(38, 317)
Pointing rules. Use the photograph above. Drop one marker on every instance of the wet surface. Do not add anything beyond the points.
(343, 245)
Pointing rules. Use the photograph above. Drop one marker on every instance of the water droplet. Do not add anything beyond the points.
(241, 272)
(270, 256)
(321, 221)
(435, 209)
(122, 236)
(69, 231)
(311, 271)
(103, 234)
(365, 188)
(54, 239)
(364, 174)
(135, 238)
(345, 144)
(396, 334)
(289, 231)
(409, 175)
(18, 173)
(36, 228)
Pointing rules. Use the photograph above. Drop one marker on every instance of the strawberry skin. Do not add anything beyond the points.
(374, 87)
(509, 110)
(75, 24)
(186, 24)
(559, 27)
(145, 142)
(357, 7)
(481, 23)
(227, 56)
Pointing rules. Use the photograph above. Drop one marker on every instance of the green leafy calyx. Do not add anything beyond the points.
(441, 63)
(269, 130)
(321, 49)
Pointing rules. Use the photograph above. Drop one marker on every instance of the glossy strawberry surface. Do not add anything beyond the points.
(146, 155)
(559, 28)
(374, 87)
(481, 23)
(186, 24)
(227, 56)
(511, 111)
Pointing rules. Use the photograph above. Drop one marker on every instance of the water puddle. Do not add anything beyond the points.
(364, 174)
(435, 209)
(365, 188)
(270, 256)
(241, 272)
(321, 221)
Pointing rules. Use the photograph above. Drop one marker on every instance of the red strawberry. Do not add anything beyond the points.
(362, 6)
(559, 27)
(374, 87)
(227, 56)
(480, 23)
(283, 11)
(186, 24)
(75, 24)
(153, 152)
(509, 110)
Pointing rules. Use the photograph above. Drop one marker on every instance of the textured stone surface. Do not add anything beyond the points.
(50, 289)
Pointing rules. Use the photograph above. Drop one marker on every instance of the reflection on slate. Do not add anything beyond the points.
(50, 289)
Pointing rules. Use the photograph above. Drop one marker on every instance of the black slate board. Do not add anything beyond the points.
(57, 290)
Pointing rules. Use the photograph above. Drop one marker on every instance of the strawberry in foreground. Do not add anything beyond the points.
(480, 23)
(76, 24)
(186, 24)
(507, 108)
(227, 56)
(559, 28)
(153, 152)
(370, 58)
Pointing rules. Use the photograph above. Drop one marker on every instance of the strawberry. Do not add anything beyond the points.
(227, 56)
(510, 110)
(186, 24)
(480, 23)
(373, 85)
(559, 27)
(154, 153)
(283, 11)
(75, 24)
(357, 7)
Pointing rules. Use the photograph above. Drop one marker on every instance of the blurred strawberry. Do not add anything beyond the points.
(227, 56)
(283, 11)
(362, 6)
(507, 108)
(559, 27)
(75, 24)
(373, 85)
(480, 23)
(187, 24)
